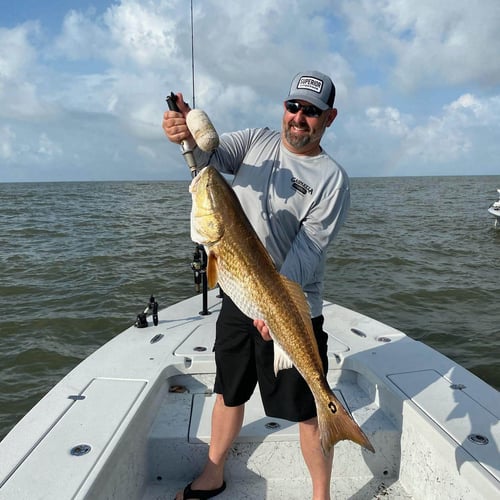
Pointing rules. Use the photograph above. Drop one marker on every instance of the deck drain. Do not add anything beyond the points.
(384, 339)
(478, 439)
(200, 349)
(357, 332)
(177, 389)
(272, 425)
(80, 450)
(156, 338)
(76, 397)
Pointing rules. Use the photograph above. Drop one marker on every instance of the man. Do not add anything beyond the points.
(296, 198)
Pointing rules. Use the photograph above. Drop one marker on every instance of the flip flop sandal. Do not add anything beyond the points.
(202, 494)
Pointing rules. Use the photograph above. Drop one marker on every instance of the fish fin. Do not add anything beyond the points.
(212, 270)
(281, 359)
(336, 424)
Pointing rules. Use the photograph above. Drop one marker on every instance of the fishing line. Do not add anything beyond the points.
(192, 55)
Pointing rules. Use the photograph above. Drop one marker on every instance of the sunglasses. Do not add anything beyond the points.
(308, 110)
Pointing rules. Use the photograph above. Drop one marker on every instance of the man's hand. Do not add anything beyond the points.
(262, 328)
(174, 122)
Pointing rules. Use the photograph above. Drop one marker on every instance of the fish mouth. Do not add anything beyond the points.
(196, 180)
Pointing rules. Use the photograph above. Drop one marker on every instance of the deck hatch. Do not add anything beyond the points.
(94, 421)
(455, 411)
(257, 427)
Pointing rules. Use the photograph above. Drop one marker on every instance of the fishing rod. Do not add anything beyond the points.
(207, 139)
(199, 263)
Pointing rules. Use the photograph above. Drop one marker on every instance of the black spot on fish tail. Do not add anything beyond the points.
(332, 406)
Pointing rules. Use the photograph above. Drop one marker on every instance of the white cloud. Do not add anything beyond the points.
(47, 148)
(439, 139)
(16, 52)
(91, 95)
(453, 42)
(128, 34)
(435, 142)
(82, 37)
(19, 72)
(142, 32)
(27, 148)
(147, 45)
(7, 137)
(471, 111)
(389, 120)
(401, 143)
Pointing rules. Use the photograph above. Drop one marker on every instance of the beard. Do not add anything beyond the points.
(296, 140)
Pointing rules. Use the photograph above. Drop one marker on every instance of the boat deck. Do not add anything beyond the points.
(294, 489)
(265, 462)
(133, 421)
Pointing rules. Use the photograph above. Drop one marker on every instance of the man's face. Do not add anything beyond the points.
(303, 132)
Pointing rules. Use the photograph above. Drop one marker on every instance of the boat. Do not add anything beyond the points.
(132, 421)
(494, 209)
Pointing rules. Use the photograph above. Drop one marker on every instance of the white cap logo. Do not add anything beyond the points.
(310, 83)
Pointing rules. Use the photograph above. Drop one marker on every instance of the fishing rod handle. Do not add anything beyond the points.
(186, 146)
(172, 102)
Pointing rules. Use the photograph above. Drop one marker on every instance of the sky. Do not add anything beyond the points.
(83, 82)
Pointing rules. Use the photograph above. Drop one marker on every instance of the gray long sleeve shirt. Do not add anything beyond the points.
(295, 203)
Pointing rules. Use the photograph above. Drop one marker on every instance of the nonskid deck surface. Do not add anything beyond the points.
(290, 489)
(265, 462)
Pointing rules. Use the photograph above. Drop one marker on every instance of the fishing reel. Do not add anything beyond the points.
(198, 266)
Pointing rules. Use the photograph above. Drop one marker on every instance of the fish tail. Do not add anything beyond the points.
(336, 424)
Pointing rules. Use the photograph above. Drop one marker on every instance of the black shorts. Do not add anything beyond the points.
(243, 358)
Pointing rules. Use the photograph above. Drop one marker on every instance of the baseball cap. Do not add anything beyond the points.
(314, 87)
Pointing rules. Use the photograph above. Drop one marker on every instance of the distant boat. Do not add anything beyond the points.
(495, 209)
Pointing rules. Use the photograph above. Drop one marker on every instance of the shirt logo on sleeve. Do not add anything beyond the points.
(301, 187)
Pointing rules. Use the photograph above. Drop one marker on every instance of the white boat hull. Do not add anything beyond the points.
(136, 414)
(495, 212)
(494, 209)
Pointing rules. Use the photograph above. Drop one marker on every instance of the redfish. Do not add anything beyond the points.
(240, 263)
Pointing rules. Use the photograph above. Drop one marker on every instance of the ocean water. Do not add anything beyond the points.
(78, 262)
